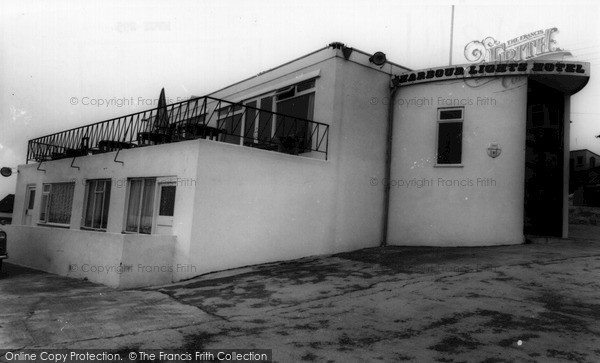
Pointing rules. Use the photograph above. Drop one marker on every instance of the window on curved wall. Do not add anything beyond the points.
(449, 136)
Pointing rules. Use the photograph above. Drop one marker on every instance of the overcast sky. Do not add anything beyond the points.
(59, 59)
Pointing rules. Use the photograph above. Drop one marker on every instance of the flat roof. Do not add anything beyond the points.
(332, 45)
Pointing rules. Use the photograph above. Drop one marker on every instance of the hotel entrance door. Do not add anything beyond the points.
(544, 161)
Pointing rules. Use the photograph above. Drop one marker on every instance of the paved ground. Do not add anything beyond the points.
(498, 304)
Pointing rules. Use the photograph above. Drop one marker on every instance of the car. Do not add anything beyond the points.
(3, 251)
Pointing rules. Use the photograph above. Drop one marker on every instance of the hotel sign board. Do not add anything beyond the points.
(553, 68)
(525, 47)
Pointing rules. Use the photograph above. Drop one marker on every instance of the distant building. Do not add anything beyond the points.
(334, 151)
(584, 179)
(6, 209)
(583, 159)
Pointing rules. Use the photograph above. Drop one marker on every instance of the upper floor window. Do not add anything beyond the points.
(293, 104)
(96, 204)
(449, 136)
(57, 201)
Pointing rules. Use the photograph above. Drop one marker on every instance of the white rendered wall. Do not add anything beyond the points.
(236, 205)
(59, 245)
(113, 259)
(473, 214)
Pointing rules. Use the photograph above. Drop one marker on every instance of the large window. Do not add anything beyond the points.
(96, 204)
(449, 140)
(230, 119)
(57, 201)
(297, 104)
(150, 205)
(140, 205)
(294, 104)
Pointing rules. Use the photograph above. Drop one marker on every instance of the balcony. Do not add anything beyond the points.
(197, 118)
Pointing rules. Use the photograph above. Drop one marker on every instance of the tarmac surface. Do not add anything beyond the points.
(525, 303)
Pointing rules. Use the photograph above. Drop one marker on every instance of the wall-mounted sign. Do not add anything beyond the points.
(527, 46)
(494, 150)
(494, 69)
(6, 172)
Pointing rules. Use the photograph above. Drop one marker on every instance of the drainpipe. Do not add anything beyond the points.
(394, 87)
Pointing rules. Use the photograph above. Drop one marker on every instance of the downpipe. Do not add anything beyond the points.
(394, 88)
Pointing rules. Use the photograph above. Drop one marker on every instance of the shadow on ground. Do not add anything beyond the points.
(525, 303)
(500, 304)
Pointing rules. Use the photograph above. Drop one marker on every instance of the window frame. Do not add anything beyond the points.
(140, 208)
(105, 203)
(158, 219)
(233, 113)
(439, 121)
(157, 183)
(46, 200)
(29, 199)
(274, 95)
(297, 94)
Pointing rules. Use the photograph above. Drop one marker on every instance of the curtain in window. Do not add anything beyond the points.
(97, 202)
(98, 196)
(61, 200)
(107, 186)
(147, 206)
(89, 206)
(135, 200)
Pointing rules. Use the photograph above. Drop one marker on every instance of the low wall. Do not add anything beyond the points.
(116, 260)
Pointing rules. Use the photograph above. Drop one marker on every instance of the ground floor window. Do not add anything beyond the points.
(140, 205)
(96, 204)
(150, 205)
(57, 201)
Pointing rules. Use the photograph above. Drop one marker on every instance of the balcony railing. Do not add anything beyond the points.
(202, 117)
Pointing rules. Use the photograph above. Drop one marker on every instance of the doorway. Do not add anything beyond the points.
(29, 204)
(165, 207)
(544, 156)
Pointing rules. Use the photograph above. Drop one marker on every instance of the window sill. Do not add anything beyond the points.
(448, 165)
(54, 225)
(92, 229)
(128, 232)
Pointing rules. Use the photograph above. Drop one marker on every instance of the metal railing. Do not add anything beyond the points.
(202, 117)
